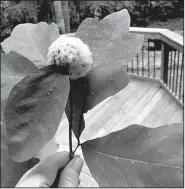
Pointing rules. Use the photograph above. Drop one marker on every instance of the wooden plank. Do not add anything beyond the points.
(123, 97)
(161, 83)
(166, 115)
(156, 112)
(130, 115)
(132, 99)
(177, 117)
(96, 108)
(172, 95)
(148, 108)
(151, 33)
(144, 78)
(97, 120)
(171, 38)
(91, 127)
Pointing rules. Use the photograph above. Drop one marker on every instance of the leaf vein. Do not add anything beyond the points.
(101, 160)
(58, 91)
(160, 164)
(19, 64)
(154, 175)
(50, 110)
(7, 70)
(24, 87)
(121, 171)
(36, 45)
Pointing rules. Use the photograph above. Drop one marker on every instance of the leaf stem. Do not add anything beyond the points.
(80, 123)
(81, 117)
(76, 148)
(71, 123)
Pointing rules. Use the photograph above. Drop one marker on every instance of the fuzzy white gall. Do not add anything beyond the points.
(73, 53)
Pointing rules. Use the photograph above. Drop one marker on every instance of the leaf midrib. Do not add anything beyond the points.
(116, 157)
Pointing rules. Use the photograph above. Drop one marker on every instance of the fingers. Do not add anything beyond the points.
(44, 173)
(70, 175)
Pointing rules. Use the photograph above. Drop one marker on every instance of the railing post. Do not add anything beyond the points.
(164, 62)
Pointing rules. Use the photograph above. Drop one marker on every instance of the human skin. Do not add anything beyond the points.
(44, 173)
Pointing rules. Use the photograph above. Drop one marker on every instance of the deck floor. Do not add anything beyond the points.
(141, 102)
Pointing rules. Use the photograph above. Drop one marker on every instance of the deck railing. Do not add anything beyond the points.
(161, 57)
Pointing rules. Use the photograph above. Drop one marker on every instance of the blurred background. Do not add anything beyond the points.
(69, 14)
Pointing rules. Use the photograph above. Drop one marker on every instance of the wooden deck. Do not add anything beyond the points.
(141, 102)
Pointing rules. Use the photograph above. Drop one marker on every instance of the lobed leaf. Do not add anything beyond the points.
(137, 156)
(13, 68)
(34, 111)
(32, 41)
(112, 47)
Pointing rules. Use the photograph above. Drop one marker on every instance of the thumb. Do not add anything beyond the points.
(70, 175)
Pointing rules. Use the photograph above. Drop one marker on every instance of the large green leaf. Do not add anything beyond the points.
(13, 68)
(34, 110)
(32, 41)
(112, 47)
(137, 156)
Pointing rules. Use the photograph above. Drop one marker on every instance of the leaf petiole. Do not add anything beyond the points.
(76, 148)
(80, 123)
(70, 123)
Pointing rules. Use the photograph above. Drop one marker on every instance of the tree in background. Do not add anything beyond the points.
(17, 12)
(69, 14)
(59, 16)
(66, 13)
(46, 11)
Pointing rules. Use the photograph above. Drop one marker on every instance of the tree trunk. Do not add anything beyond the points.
(66, 16)
(53, 12)
(59, 16)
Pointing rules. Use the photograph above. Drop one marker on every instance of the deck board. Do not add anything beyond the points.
(156, 111)
(96, 125)
(166, 115)
(148, 108)
(141, 102)
(138, 106)
(130, 99)
(177, 117)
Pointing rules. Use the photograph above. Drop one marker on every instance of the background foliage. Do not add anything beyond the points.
(142, 12)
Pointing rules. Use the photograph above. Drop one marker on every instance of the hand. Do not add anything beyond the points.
(44, 173)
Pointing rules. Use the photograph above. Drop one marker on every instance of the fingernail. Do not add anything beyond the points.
(78, 164)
